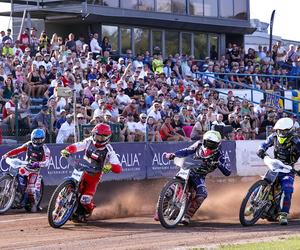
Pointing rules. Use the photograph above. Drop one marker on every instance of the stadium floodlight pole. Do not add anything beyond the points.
(75, 117)
(271, 30)
(11, 13)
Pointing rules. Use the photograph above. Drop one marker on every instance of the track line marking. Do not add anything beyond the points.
(23, 219)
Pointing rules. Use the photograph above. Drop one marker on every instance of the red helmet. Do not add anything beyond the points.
(101, 134)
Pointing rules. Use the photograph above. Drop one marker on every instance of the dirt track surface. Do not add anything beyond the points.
(31, 231)
(216, 223)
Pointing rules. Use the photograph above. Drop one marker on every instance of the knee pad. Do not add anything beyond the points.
(86, 199)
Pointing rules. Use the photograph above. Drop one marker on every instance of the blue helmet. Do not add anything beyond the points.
(38, 137)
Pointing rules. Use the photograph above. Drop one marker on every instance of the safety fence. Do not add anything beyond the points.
(147, 161)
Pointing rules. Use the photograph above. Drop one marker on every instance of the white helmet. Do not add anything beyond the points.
(212, 139)
(284, 128)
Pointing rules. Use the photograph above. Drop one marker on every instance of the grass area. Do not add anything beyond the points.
(292, 243)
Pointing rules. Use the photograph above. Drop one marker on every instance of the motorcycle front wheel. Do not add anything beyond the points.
(254, 203)
(7, 192)
(172, 203)
(62, 204)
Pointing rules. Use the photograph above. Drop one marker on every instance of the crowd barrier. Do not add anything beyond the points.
(147, 161)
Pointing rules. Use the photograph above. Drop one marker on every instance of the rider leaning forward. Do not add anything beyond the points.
(286, 149)
(37, 155)
(100, 154)
(211, 156)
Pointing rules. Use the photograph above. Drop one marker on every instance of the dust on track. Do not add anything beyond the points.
(216, 222)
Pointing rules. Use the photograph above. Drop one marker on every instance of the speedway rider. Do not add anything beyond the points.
(286, 149)
(212, 157)
(100, 154)
(38, 156)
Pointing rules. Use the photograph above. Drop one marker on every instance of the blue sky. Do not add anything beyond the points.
(286, 16)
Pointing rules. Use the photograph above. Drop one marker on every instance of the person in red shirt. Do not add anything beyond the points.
(24, 39)
(239, 135)
(8, 111)
(100, 154)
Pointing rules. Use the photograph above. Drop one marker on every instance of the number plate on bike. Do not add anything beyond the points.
(183, 173)
(271, 176)
(76, 175)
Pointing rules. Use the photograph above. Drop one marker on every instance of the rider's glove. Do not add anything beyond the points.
(261, 153)
(170, 156)
(35, 165)
(65, 153)
(106, 168)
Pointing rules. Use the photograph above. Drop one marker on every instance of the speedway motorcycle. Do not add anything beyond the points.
(13, 185)
(263, 199)
(176, 195)
(65, 200)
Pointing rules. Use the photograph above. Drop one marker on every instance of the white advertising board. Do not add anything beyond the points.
(248, 163)
(243, 93)
(257, 96)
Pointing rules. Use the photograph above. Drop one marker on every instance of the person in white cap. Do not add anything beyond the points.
(66, 130)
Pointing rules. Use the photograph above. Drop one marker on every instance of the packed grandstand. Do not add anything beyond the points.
(67, 85)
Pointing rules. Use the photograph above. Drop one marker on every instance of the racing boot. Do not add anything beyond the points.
(283, 219)
(79, 216)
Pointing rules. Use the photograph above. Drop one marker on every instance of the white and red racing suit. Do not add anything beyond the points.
(40, 154)
(97, 157)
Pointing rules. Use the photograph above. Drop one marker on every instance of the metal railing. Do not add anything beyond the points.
(216, 76)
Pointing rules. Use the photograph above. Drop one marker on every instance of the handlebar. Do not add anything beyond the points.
(16, 163)
(296, 172)
(182, 163)
(81, 165)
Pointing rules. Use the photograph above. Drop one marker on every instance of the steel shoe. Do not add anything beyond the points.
(283, 219)
(186, 220)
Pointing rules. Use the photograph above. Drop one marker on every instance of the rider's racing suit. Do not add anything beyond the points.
(34, 154)
(288, 153)
(98, 158)
(197, 176)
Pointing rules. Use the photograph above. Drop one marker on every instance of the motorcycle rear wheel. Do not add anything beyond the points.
(7, 192)
(62, 204)
(259, 191)
(171, 205)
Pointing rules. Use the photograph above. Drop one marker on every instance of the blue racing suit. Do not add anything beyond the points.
(197, 176)
(288, 153)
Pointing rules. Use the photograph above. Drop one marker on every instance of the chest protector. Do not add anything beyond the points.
(287, 152)
(35, 154)
(209, 164)
(95, 156)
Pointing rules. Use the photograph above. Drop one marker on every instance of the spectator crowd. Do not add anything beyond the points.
(142, 97)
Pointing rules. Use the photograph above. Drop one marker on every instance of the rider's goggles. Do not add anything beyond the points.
(283, 133)
(38, 141)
